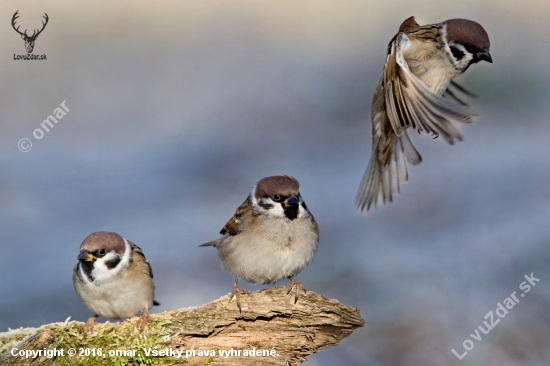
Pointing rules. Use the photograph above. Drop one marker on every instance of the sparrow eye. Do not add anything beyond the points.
(101, 251)
(470, 48)
(276, 198)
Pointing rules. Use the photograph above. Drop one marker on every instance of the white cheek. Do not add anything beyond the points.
(302, 213)
(466, 59)
(102, 273)
(463, 63)
(276, 211)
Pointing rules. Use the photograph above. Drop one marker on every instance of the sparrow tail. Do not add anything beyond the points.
(212, 243)
(384, 177)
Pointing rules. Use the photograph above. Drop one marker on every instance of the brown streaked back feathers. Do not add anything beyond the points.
(232, 226)
(408, 25)
(138, 251)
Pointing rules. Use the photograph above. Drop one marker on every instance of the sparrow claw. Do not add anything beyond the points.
(299, 287)
(89, 325)
(235, 295)
(143, 320)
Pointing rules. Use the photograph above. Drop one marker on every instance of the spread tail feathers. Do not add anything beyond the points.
(384, 177)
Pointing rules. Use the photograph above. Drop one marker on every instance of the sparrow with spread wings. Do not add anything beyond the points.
(421, 64)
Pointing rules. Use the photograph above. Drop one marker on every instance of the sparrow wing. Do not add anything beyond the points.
(454, 91)
(409, 25)
(233, 225)
(387, 168)
(138, 251)
(409, 102)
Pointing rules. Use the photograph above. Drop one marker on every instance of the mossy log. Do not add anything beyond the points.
(271, 330)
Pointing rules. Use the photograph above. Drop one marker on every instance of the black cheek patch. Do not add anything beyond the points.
(112, 263)
(267, 206)
(458, 54)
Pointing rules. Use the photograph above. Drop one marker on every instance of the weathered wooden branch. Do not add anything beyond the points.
(271, 330)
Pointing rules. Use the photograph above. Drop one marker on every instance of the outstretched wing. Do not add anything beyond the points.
(457, 92)
(400, 101)
(409, 102)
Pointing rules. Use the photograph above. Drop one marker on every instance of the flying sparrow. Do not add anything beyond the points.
(421, 63)
(113, 278)
(271, 236)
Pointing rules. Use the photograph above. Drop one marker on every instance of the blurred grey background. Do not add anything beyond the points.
(178, 108)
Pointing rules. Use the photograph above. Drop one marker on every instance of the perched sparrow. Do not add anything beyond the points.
(271, 236)
(113, 278)
(422, 61)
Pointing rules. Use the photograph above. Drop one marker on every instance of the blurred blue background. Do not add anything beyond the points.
(178, 108)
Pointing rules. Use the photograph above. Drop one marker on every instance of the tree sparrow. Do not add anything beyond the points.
(271, 236)
(422, 61)
(113, 278)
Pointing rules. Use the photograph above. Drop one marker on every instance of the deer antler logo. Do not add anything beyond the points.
(29, 40)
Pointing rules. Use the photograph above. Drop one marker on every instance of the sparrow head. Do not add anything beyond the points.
(278, 196)
(467, 43)
(102, 252)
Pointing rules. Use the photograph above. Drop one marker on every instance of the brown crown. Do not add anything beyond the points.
(103, 239)
(467, 32)
(279, 184)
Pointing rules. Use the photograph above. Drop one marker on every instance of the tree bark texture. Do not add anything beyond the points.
(271, 330)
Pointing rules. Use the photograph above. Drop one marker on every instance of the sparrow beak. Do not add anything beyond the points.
(291, 201)
(485, 56)
(85, 256)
